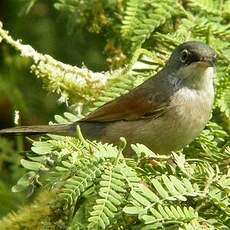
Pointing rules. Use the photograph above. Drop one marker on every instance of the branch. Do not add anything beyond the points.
(79, 84)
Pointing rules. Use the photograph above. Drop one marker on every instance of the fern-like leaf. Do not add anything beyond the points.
(224, 102)
(111, 193)
(206, 6)
(162, 215)
(84, 175)
(143, 17)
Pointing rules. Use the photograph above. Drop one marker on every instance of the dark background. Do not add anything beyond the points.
(47, 31)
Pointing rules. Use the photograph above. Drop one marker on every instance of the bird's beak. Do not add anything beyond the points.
(208, 61)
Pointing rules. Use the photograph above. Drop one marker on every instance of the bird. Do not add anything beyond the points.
(165, 113)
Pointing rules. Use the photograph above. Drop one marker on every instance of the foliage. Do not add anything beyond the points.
(96, 182)
(95, 185)
(9, 175)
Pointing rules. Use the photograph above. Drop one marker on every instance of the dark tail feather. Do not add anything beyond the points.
(39, 129)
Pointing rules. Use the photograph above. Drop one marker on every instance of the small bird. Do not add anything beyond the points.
(165, 113)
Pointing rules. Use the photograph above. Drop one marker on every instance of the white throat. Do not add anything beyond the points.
(207, 84)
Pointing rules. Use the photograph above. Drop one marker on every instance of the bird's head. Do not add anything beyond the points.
(193, 62)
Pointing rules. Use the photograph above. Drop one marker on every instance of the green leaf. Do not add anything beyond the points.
(146, 192)
(148, 219)
(162, 192)
(35, 166)
(41, 148)
(133, 210)
(142, 200)
(24, 182)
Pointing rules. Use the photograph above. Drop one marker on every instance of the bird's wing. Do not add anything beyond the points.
(139, 103)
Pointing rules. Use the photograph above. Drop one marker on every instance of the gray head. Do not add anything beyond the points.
(190, 52)
(193, 62)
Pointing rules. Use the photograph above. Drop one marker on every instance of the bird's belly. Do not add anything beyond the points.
(172, 131)
(162, 135)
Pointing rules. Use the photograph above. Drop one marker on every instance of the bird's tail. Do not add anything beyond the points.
(38, 129)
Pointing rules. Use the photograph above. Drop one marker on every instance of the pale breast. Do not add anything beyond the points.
(189, 113)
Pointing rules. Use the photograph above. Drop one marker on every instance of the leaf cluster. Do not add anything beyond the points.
(97, 188)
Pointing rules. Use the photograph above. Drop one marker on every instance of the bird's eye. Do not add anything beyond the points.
(184, 56)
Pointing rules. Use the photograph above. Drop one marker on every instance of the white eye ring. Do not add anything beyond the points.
(184, 55)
